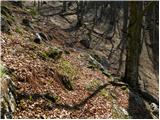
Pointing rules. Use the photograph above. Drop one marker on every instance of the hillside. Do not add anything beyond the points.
(56, 76)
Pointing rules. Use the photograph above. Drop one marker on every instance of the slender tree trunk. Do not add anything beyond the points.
(80, 13)
(64, 6)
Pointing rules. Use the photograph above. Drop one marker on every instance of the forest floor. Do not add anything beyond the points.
(34, 75)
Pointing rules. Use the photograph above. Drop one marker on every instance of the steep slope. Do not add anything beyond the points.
(40, 77)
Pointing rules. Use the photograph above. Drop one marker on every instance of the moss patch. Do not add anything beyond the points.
(54, 53)
(19, 30)
(43, 55)
(66, 68)
(93, 85)
(2, 71)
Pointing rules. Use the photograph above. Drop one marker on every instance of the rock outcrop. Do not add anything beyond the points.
(7, 96)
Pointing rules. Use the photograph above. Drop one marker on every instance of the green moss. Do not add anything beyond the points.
(43, 55)
(2, 71)
(104, 93)
(67, 69)
(54, 53)
(30, 98)
(18, 30)
(93, 85)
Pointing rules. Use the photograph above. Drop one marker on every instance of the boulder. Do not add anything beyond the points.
(27, 23)
(38, 39)
(65, 80)
(101, 58)
(7, 97)
(86, 40)
(54, 53)
(85, 43)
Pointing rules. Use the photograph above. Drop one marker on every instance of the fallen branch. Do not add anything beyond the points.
(60, 105)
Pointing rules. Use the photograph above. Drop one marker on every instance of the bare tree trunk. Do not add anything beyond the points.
(64, 6)
(134, 45)
(122, 43)
(80, 13)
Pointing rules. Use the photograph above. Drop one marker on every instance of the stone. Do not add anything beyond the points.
(7, 97)
(85, 43)
(101, 58)
(154, 108)
(54, 53)
(37, 40)
(65, 81)
(27, 23)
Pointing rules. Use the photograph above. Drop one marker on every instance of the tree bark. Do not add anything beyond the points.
(134, 45)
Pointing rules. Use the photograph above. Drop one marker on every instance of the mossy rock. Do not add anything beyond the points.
(43, 55)
(7, 96)
(66, 73)
(66, 68)
(93, 85)
(66, 81)
(54, 53)
(104, 93)
(119, 112)
(3, 71)
(26, 22)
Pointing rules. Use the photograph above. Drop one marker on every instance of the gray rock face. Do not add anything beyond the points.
(7, 97)
(100, 57)
(86, 41)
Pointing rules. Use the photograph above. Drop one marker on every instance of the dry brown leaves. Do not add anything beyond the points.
(34, 75)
